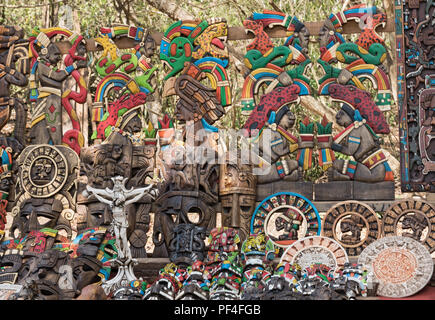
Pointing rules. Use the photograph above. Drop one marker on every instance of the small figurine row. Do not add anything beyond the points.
(228, 282)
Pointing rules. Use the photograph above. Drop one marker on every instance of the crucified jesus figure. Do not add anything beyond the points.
(118, 199)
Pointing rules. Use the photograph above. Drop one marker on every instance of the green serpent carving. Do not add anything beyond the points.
(279, 56)
(375, 55)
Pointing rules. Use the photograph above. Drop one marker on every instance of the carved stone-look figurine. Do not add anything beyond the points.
(237, 193)
(283, 284)
(255, 281)
(351, 282)
(132, 291)
(223, 245)
(257, 251)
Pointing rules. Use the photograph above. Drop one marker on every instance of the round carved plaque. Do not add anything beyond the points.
(315, 249)
(353, 224)
(44, 171)
(413, 219)
(401, 265)
(286, 217)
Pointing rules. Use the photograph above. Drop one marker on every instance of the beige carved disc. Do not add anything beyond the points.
(44, 171)
(401, 265)
(315, 249)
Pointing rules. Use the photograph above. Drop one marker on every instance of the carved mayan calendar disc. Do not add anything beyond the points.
(286, 217)
(411, 218)
(401, 265)
(44, 171)
(315, 249)
(353, 224)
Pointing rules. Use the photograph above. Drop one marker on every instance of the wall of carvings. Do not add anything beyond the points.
(90, 164)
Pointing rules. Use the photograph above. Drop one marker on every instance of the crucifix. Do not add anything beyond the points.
(118, 199)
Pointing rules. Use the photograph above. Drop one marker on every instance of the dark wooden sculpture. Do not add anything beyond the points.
(415, 94)
(9, 75)
(187, 245)
(188, 197)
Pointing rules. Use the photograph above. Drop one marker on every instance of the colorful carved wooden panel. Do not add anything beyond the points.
(102, 195)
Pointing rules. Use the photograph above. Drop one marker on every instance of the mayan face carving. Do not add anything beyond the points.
(10, 267)
(46, 189)
(196, 283)
(187, 245)
(85, 271)
(167, 284)
(237, 190)
(175, 210)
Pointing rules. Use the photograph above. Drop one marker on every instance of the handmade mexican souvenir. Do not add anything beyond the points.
(286, 217)
(353, 224)
(187, 246)
(46, 188)
(415, 82)
(401, 265)
(411, 218)
(315, 249)
(49, 100)
(11, 36)
(237, 193)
